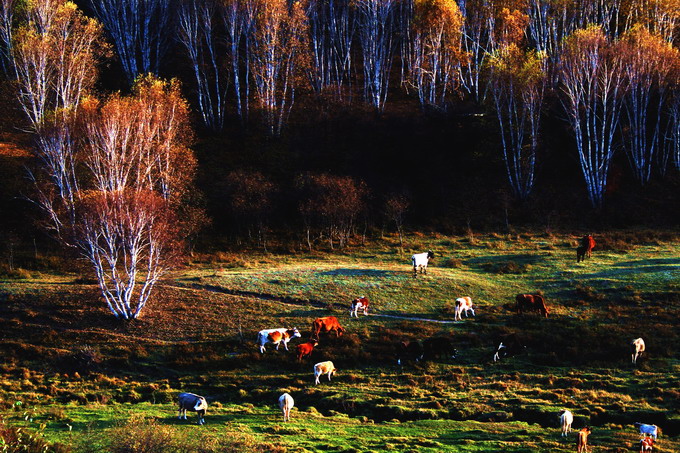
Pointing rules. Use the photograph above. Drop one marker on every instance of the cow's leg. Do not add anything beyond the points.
(473, 311)
(262, 349)
(329, 375)
(285, 345)
(179, 413)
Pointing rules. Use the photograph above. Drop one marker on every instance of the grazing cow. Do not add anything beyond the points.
(436, 347)
(463, 304)
(647, 430)
(509, 346)
(305, 349)
(360, 303)
(286, 403)
(327, 324)
(409, 350)
(585, 248)
(566, 419)
(276, 336)
(324, 368)
(420, 261)
(638, 347)
(194, 403)
(646, 444)
(582, 440)
(531, 302)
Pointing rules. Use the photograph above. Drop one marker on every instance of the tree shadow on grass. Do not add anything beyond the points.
(344, 272)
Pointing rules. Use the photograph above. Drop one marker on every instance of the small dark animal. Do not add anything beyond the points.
(409, 350)
(531, 302)
(305, 349)
(582, 440)
(509, 345)
(437, 347)
(194, 403)
(327, 324)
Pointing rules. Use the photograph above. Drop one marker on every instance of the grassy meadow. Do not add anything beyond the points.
(74, 379)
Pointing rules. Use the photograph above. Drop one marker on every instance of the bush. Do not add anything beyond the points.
(19, 439)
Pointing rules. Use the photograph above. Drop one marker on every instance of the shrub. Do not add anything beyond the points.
(19, 439)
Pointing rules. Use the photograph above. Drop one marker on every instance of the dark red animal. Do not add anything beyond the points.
(437, 347)
(327, 324)
(531, 302)
(585, 248)
(305, 349)
(582, 440)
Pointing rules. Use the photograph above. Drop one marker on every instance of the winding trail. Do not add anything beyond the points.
(290, 300)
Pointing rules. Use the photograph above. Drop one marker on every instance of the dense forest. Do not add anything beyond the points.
(315, 123)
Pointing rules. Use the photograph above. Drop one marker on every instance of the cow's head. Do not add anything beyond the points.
(201, 406)
(341, 330)
(295, 333)
(500, 352)
(430, 254)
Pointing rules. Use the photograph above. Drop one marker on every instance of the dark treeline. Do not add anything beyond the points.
(324, 120)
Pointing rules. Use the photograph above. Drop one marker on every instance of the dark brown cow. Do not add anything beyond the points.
(327, 324)
(305, 349)
(409, 350)
(531, 302)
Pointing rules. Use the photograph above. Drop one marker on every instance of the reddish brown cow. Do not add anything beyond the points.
(327, 324)
(585, 248)
(531, 302)
(582, 440)
(646, 444)
(305, 349)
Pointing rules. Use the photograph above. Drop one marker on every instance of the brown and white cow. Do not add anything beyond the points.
(327, 324)
(582, 440)
(286, 403)
(305, 349)
(324, 368)
(646, 444)
(531, 302)
(276, 336)
(637, 348)
(463, 304)
(194, 403)
(360, 303)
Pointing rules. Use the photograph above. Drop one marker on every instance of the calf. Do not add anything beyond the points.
(286, 403)
(409, 350)
(420, 261)
(646, 444)
(436, 347)
(647, 430)
(509, 346)
(305, 349)
(566, 419)
(324, 368)
(327, 324)
(276, 336)
(638, 347)
(463, 304)
(531, 302)
(194, 403)
(360, 303)
(582, 440)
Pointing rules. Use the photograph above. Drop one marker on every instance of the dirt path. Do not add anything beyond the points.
(292, 301)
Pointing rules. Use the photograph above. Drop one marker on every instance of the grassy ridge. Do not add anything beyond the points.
(69, 364)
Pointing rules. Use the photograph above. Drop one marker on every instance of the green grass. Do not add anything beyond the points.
(198, 335)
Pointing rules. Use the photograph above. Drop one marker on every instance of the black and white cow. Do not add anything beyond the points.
(194, 403)
(420, 261)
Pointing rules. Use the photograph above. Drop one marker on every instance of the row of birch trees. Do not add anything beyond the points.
(611, 65)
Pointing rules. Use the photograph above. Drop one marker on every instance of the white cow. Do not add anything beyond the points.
(286, 403)
(463, 304)
(192, 402)
(324, 368)
(276, 336)
(566, 419)
(420, 261)
(638, 347)
(647, 430)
